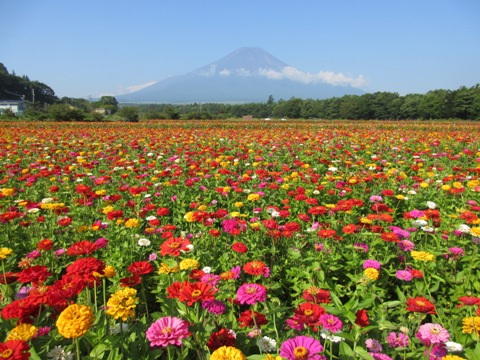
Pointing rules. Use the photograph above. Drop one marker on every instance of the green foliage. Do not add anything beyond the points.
(109, 103)
(63, 112)
(129, 113)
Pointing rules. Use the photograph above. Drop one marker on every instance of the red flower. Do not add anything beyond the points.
(349, 229)
(316, 295)
(309, 314)
(421, 305)
(247, 320)
(130, 281)
(173, 246)
(196, 274)
(85, 268)
(23, 309)
(468, 301)
(83, 247)
(326, 233)
(223, 337)
(390, 237)
(256, 267)
(45, 245)
(387, 192)
(175, 289)
(37, 274)
(9, 276)
(141, 268)
(163, 211)
(65, 221)
(239, 247)
(198, 291)
(15, 350)
(362, 318)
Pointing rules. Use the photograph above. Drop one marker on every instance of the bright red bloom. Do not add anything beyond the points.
(349, 229)
(196, 274)
(45, 245)
(22, 309)
(239, 247)
(63, 290)
(15, 350)
(326, 233)
(131, 281)
(65, 221)
(163, 211)
(390, 237)
(175, 289)
(223, 337)
(468, 301)
(421, 305)
(247, 320)
(387, 192)
(316, 295)
(198, 291)
(141, 268)
(256, 267)
(9, 276)
(173, 246)
(362, 318)
(83, 247)
(309, 314)
(36, 274)
(85, 268)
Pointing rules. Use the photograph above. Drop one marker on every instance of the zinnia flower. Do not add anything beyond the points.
(15, 350)
(331, 322)
(222, 337)
(75, 321)
(251, 294)
(421, 305)
(301, 347)
(122, 304)
(432, 334)
(422, 255)
(396, 340)
(227, 353)
(471, 324)
(22, 332)
(371, 274)
(173, 246)
(168, 330)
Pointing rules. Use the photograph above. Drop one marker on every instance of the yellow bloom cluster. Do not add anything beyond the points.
(22, 332)
(371, 273)
(227, 353)
(422, 255)
(166, 269)
(5, 252)
(452, 357)
(52, 206)
(132, 223)
(122, 304)
(186, 264)
(75, 321)
(471, 324)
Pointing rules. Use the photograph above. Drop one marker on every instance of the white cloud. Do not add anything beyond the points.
(224, 72)
(209, 71)
(327, 77)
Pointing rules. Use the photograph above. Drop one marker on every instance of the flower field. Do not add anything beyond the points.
(226, 239)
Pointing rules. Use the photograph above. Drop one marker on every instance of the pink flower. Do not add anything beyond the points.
(167, 331)
(406, 245)
(397, 340)
(432, 334)
(380, 356)
(371, 264)
(301, 347)
(404, 275)
(373, 345)
(331, 322)
(251, 294)
(214, 306)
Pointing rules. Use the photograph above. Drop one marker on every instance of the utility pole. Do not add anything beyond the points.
(33, 97)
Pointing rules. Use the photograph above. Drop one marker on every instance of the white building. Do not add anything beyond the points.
(16, 106)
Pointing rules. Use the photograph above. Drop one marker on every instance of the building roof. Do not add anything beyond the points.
(7, 102)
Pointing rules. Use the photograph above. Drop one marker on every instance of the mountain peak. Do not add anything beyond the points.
(245, 61)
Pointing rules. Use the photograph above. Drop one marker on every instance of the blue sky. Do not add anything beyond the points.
(99, 47)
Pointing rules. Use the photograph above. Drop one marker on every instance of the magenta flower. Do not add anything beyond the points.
(301, 347)
(416, 214)
(168, 330)
(406, 245)
(380, 356)
(251, 294)
(399, 340)
(371, 264)
(214, 306)
(373, 345)
(331, 322)
(404, 275)
(432, 334)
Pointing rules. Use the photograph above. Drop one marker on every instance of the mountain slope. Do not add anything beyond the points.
(245, 75)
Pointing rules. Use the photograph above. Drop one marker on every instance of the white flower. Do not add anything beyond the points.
(33, 210)
(419, 223)
(275, 214)
(143, 242)
(150, 218)
(207, 269)
(267, 344)
(453, 346)
(189, 247)
(332, 169)
(46, 200)
(333, 338)
(428, 229)
(59, 353)
(431, 205)
(463, 228)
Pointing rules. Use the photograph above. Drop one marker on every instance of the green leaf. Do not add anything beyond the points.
(363, 353)
(346, 351)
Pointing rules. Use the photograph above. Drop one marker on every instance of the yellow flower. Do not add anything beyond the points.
(166, 269)
(285, 186)
(446, 187)
(422, 255)
(131, 223)
(255, 225)
(227, 353)
(238, 204)
(471, 324)
(186, 264)
(253, 197)
(121, 305)
(107, 209)
(364, 220)
(457, 185)
(371, 273)
(5, 252)
(8, 192)
(272, 357)
(475, 231)
(189, 216)
(22, 332)
(452, 357)
(400, 197)
(202, 207)
(102, 192)
(75, 321)
(424, 185)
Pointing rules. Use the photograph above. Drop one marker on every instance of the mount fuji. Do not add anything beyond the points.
(246, 75)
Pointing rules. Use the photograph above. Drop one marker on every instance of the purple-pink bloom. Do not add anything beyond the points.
(373, 345)
(416, 214)
(430, 334)
(376, 198)
(398, 340)
(211, 279)
(437, 352)
(404, 275)
(301, 347)
(380, 356)
(406, 245)
(216, 307)
(371, 264)
(251, 294)
(399, 232)
(361, 247)
(331, 322)
(101, 243)
(168, 330)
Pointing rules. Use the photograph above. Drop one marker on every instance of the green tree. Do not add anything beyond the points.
(63, 112)
(129, 113)
(109, 103)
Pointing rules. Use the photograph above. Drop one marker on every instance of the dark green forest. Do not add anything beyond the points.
(43, 104)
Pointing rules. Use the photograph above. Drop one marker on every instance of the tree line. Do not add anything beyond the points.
(42, 103)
